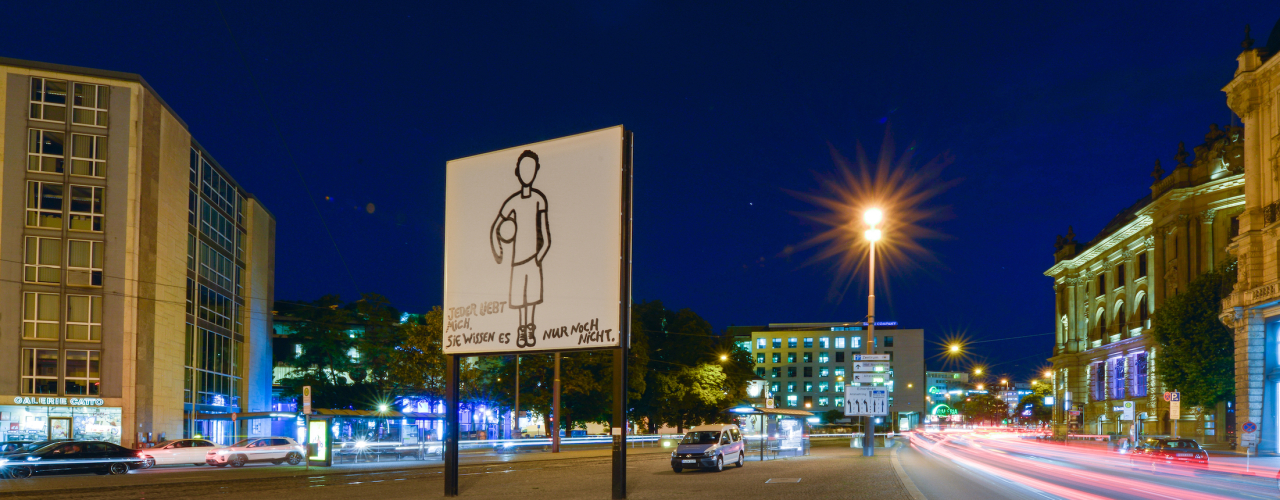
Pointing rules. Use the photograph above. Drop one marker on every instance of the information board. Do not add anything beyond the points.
(866, 401)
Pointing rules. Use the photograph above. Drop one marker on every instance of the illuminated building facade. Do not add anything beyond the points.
(1106, 290)
(136, 276)
(1253, 309)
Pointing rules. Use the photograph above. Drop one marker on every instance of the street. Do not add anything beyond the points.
(966, 465)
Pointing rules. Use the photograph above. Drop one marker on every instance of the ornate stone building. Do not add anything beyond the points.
(1106, 289)
(1253, 309)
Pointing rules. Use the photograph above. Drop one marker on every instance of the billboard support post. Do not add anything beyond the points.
(623, 350)
(451, 375)
(554, 431)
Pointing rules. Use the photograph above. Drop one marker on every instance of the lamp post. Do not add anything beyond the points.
(872, 218)
(1052, 375)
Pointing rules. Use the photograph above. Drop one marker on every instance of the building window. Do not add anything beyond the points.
(808, 401)
(39, 371)
(84, 263)
(1140, 375)
(824, 401)
(808, 342)
(839, 372)
(40, 316)
(808, 371)
(888, 341)
(1096, 378)
(760, 372)
(791, 342)
(1102, 283)
(808, 357)
(88, 155)
(86, 208)
(823, 386)
(777, 343)
(45, 151)
(89, 106)
(215, 267)
(43, 260)
(1143, 315)
(218, 189)
(840, 402)
(808, 387)
(49, 100)
(791, 371)
(760, 358)
(1142, 265)
(791, 357)
(84, 318)
(824, 372)
(760, 342)
(840, 356)
(824, 357)
(839, 342)
(777, 357)
(44, 204)
(82, 373)
(777, 372)
(855, 342)
(215, 307)
(773, 387)
(1121, 279)
(216, 226)
(791, 401)
(1117, 377)
(791, 387)
(824, 342)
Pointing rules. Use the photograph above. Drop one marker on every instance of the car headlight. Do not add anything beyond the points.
(710, 453)
(673, 455)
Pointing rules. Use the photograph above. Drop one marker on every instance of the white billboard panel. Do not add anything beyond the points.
(533, 246)
(866, 401)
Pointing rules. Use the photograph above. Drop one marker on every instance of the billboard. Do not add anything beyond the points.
(534, 246)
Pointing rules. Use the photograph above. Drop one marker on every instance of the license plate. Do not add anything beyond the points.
(690, 461)
(1186, 455)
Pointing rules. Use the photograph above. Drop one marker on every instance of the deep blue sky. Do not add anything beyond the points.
(1053, 113)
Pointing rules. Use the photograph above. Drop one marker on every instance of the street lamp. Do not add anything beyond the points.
(723, 357)
(977, 371)
(871, 217)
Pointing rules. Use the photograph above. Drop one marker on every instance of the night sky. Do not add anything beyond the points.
(1053, 115)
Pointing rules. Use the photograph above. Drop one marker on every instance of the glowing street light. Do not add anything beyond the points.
(724, 357)
(1004, 381)
(980, 387)
(872, 217)
(954, 349)
(977, 371)
(1048, 374)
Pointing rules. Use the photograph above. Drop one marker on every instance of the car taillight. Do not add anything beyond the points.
(142, 455)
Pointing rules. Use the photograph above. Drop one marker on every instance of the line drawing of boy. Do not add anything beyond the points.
(523, 222)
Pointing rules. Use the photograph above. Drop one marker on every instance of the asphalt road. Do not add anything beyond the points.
(832, 470)
(994, 466)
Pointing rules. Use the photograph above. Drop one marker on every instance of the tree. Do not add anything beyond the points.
(417, 367)
(1197, 351)
(1039, 412)
(984, 408)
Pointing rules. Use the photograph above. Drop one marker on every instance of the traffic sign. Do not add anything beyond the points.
(1172, 396)
(869, 366)
(1127, 410)
(1249, 427)
(871, 357)
(866, 401)
(1175, 409)
(306, 399)
(870, 378)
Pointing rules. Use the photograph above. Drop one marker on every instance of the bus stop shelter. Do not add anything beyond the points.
(773, 432)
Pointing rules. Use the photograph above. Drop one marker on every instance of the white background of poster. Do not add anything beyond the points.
(581, 178)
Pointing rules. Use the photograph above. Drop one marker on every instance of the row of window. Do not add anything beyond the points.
(216, 187)
(212, 368)
(823, 357)
(77, 371)
(1122, 279)
(217, 308)
(88, 102)
(42, 317)
(855, 342)
(43, 261)
(83, 204)
(47, 152)
(1119, 377)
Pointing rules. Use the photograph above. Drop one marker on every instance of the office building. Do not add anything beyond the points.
(136, 276)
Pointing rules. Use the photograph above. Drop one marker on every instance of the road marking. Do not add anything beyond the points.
(1152, 493)
(783, 480)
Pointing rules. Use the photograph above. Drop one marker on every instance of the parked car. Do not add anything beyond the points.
(179, 452)
(276, 450)
(708, 447)
(1169, 451)
(72, 457)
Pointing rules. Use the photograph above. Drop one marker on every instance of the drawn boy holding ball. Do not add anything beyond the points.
(522, 222)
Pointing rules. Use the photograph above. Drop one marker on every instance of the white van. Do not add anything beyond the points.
(709, 447)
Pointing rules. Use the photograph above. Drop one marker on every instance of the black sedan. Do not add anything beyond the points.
(9, 446)
(72, 457)
(28, 446)
(1169, 451)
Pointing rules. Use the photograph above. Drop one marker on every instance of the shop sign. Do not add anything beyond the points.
(54, 401)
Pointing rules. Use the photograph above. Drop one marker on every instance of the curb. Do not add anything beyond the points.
(907, 483)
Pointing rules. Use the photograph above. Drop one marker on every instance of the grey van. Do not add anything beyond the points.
(709, 447)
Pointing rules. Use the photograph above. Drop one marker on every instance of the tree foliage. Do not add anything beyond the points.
(1196, 355)
(984, 408)
(1039, 411)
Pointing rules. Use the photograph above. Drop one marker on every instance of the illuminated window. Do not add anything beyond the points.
(46, 150)
(855, 342)
(824, 401)
(840, 402)
(791, 387)
(760, 372)
(88, 155)
(40, 316)
(808, 387)
(824, 357)
(839, 372)
(777, 357)
(84, 263)
(86, 208)
(808, 357)
(777, 343)
(760, 357)
(824, 342)
(839, 386)
(823, 386)
(792, 401)
(44, 204)
(773, 387)
(83, 376)
(791, 357)
(839, 342)
(42, 262)
(89, 106)
(760, 343)
(791, 342)
(777, 372)
(808, 342)
(84, 318)
(39, 371)
(823, 372)
(48, 100)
